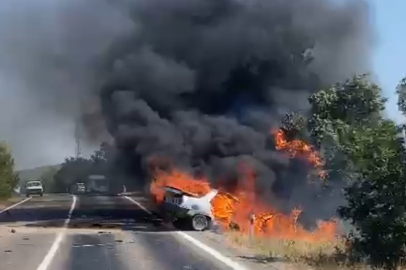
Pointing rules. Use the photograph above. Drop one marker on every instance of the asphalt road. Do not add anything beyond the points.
(62, 232)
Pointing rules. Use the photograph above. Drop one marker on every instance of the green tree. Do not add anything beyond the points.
(335, 112)
(72, 170)
(361, 148)
(293, 125)
(8, 177)
(376, 199)
(75, 170)
(47, 179)
(102, 159)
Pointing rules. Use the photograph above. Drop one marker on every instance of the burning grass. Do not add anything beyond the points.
(230, 208)
(237, 206)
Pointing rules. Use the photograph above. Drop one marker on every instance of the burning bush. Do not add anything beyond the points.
(234, 207)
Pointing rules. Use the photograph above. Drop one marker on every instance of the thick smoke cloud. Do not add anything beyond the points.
(199, 83)
(203, 82)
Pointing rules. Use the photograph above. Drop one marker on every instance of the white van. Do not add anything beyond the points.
(34, 187)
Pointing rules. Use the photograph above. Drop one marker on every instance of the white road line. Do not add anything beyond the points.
(55, 246)
(138, 204)
(14, 205)
(225, 260)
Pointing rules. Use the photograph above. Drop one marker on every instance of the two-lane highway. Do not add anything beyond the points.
(63, 232)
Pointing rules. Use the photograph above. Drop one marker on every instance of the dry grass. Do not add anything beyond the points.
(304, 255)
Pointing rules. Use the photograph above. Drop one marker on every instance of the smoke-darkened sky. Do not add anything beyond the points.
(200, 83)
(200, 65)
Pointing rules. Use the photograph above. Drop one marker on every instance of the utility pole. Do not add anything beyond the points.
(78, 152)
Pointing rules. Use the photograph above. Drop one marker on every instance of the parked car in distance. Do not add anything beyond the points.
(80, 188)
(34, 188)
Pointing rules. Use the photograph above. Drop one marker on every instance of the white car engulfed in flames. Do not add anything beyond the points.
(188, 210)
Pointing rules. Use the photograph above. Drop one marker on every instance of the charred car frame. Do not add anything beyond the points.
(187, 210)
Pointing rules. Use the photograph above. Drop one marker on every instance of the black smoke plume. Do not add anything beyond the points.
(203, 83)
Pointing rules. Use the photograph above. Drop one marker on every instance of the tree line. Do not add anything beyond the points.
(77, 169)
(363, 149)
(360, 146)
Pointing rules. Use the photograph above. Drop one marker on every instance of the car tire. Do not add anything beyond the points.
(200, 222)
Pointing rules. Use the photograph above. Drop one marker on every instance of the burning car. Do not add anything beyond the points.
(187, 209)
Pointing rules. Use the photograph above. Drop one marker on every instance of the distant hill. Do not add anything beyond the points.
(35, 173)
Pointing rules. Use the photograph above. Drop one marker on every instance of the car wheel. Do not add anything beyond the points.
(200, 222)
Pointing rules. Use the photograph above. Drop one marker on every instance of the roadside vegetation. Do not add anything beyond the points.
(8, 177)
(76, 169)
(58, 178)
(362, 149)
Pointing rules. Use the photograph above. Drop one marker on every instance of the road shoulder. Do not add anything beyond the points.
(4, 203)
(11, 203)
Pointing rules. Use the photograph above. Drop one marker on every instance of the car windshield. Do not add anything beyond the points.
(33, 184)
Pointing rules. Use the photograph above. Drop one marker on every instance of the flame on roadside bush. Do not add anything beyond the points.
(235, 208)
(300, 149)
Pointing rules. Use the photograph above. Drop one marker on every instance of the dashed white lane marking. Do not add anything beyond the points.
(14, 205)
(220, 257)
(55, 246)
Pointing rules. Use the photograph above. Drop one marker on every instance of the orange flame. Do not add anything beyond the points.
(299, 148)
(238, 206)
(241, 204)
(179, 180)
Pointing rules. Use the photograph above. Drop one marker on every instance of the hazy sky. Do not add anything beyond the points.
(48, 138)
(390, 54)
